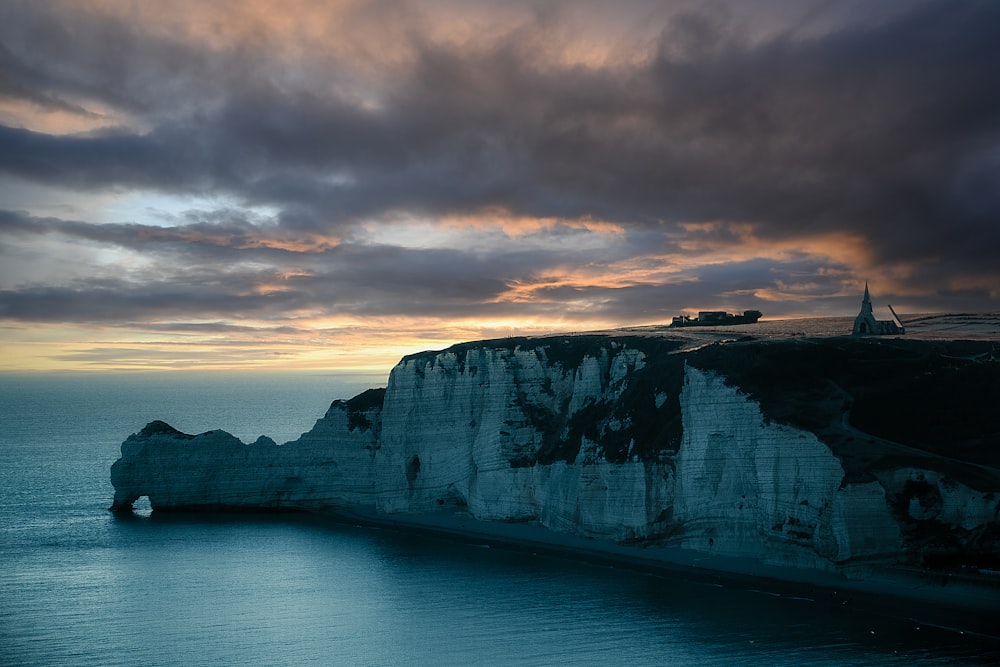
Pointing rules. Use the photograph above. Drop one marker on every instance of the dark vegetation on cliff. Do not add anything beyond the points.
(931, 542)
(566, 351)
(886, 404)
(878, 403)
(881, 405)
(359, 409)
(634, 426)
(631, 427)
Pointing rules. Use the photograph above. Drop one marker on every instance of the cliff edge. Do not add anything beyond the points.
(832, 454)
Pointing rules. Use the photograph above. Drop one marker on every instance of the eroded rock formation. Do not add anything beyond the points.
(771, 450)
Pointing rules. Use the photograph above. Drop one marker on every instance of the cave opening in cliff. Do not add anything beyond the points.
(142, 506)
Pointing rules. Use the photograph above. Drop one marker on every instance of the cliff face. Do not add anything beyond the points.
(626, 439)
(748, 487)
(503, 432)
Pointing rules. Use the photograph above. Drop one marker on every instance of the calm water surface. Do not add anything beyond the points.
(79, 586)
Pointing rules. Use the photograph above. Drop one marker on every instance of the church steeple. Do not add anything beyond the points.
(866, 324)
(866, 303)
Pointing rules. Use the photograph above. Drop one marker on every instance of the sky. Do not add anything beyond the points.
(329, 185)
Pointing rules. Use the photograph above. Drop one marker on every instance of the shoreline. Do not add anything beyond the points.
(938, 599)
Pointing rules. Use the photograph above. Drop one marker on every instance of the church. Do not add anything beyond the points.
(865, 323)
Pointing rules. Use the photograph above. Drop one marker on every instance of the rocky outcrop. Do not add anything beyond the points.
(331, 464)
(628, 439)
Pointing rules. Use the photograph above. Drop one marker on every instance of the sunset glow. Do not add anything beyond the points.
(331, 185)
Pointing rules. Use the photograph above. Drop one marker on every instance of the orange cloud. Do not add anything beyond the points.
(81, 116)
(515, 226)
(717, 242)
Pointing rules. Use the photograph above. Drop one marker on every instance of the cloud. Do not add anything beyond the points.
(607, 161)
(863, 126)
(212, 272)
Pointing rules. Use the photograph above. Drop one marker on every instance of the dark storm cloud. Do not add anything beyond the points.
(865, 125)
(218, 246)
(375, 291)
(104, 301)
(889, 129)
(226, 273)
(50, 52)
(197, 273)
(22, 82)
(224, 235)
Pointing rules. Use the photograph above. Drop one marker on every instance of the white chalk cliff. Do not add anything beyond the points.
(612, 438)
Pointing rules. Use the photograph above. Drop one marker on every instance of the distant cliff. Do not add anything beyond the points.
(830, 453)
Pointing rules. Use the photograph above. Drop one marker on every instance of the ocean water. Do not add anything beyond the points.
(80, 586)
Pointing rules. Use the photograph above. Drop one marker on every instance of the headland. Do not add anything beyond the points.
(844, 462)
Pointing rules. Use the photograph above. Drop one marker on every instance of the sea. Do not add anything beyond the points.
(82, 586)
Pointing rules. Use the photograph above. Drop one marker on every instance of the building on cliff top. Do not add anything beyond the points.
(865, 323)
